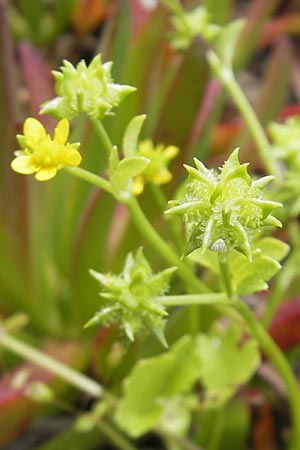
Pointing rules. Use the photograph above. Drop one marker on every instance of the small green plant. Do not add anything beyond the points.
(216, 248)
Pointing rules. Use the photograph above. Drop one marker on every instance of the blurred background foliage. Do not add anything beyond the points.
(51, 234)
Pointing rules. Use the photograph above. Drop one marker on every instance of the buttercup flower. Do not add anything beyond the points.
(83, 88)
(41, 154)
(226, 210)
(156, 171)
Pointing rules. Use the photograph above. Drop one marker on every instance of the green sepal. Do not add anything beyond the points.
(21, 140)
(273, 222)
(131, 135)
(186, 207)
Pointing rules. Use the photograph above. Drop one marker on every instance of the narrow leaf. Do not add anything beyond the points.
(131, 135)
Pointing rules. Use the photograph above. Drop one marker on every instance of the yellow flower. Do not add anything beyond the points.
(156, 171)
(43, 155)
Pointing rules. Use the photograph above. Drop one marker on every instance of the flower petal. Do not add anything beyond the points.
(138, 185)
(71, 157)
(46, 174)
(34, 132)
(61, 132)
(24, 165)
(171, 151)
(162, 177)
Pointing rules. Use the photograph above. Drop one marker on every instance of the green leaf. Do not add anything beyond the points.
(131, 135)
(272, 247)
(249, 277)
(226, 364)
(152, 382)
(126, 169)
(253, 277)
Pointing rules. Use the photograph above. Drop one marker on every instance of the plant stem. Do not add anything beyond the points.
(50, 364)
(162, 202)
(194, 299)
(280, 363)
(181, 441)
(102, 135)
(226, 76)
(225, 274)
(152, 236)
(146, 229)
(89, 177)
(219, 422)
(115, 436)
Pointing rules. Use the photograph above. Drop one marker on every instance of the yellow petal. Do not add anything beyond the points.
(24, 165)
(34, 132)
(162, 177)
(138, 185)
(71, 157)
(61, 132)
(46, 174)
(171, 151)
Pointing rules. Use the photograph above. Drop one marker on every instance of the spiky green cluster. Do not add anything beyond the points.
(224, 210)
(191, 24)
(130, 298)
(83, 88)
(285, 139)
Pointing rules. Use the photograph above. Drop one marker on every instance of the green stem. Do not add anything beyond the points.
(169, 255)
(225, 274)
(102, 136)
(180, 442)
(193, 299)
(162, 202)
(219, 423)
(89, 177)
(115, 436)
(226, 76)
(50, 364)
(280, 363)
(146, 229)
